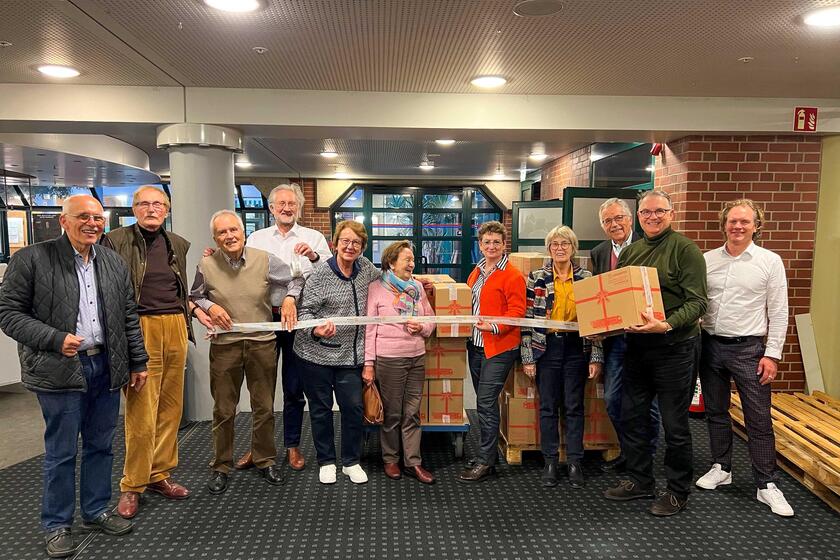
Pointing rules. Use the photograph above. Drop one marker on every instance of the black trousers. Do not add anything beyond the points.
(719, 364)
(656, 367)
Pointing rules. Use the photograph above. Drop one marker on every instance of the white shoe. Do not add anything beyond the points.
(714, 478)
(327, 474)
(774, 498)
(356, 473)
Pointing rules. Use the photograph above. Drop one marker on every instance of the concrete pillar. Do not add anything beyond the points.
(201, 169)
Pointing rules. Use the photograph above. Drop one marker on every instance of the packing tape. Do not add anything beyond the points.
(396, 320)
(647, 290)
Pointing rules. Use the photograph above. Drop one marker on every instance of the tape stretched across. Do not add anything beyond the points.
(395, 320)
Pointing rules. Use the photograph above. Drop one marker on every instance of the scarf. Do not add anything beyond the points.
(406, 293)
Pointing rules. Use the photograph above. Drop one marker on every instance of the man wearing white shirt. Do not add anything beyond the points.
(302, 248)
(743, 335)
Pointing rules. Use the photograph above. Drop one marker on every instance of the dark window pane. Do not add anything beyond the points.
(624, 169)
(355, 200)
(480, 218)
(481, 201)
(45, 226)
(377, 246)
(442, 224)
(441, 201)
(442, 252)
(345, 215)
(392, 201)
(382, 223)
(251, 196)
(253, 222)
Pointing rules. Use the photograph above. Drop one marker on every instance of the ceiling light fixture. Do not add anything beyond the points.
(427, 165)
(746, 59)
(58, 71)
(537, 156)
(243, 164)
(445, 141)
(827, 17)
(329, 154)
(488, 82)
(537, 8)
(4, 44)
(260, 50)
(239, 6)
(341, 175)
(499, 174)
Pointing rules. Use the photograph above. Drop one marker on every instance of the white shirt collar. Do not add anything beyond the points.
(295, 230)
(750, 250)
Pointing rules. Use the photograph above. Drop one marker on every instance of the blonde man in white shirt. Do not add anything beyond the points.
(743, 335)
(302, 248)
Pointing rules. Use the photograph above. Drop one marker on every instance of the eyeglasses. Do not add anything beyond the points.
(97, 218)
(355, 243)
(659, 212)
(492, 242)
(284, 204)
(616, 219)
(554, 245)
(145, 205)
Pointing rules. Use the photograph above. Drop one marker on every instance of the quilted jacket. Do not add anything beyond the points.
(39, 305)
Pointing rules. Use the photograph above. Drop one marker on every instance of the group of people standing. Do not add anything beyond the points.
(95, 314)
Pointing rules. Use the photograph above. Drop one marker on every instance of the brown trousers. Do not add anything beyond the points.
(401, 386)
(153, 415)
(255, 361)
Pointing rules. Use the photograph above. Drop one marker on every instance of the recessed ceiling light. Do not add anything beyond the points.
(427, 165)
(56, 71)
(537, 156)
(537, 8)
(234, 5)
(488, 81)
(445, 141)
(827, 17)
(341, 175)
(260, 50)
(243, 163)
(329, 154)
(4, 44)
(746, 59)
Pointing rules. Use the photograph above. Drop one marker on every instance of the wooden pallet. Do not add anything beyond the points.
(513, 451)
(807, 430)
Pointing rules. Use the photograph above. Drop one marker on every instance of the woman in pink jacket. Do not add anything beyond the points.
(396, 353)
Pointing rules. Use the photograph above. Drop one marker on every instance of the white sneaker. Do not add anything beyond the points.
(327, 474)
(714, 478)
(774, 498)
(356, 473)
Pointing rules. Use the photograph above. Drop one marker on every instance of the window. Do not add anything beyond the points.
(55, 196)
(626, 165)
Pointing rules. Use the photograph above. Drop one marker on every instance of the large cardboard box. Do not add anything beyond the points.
(527, 261)
(435, 278)
(520, 420)
(452, 299)
(446, 401)
(598, 429)
(520, 385)
(612, 301)
(446, 358)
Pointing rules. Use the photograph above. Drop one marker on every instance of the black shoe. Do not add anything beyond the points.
(549, 475)
(476, 474)
(576, 476)
(60, 543)
(273, 475)
(617, 465)
(218, 482)
(667, 504)
(627, 490)
(109, 523)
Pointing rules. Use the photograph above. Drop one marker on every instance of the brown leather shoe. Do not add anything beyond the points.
(420, 474)
(477, 473)
(392, 471)
(128, 505)
(244, 462)
(169, 489)
(296, 460)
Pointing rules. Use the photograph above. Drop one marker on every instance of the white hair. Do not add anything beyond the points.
(293, 187)
(609, 202)
(224, 213)
(65, 206)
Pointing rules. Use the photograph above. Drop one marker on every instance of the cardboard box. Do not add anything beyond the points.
(446, 401)
(520, 385)
(424, 404)
(435, 278)
(612, 301)
(452, 299)
(520, 420)
(527, 261)
(446, 358)
(597, 428)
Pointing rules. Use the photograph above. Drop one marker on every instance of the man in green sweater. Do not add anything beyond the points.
(661, 359)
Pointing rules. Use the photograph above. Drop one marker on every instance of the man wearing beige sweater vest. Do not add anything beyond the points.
(235, 285)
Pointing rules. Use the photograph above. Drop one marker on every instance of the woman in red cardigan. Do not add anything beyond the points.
(498, 289)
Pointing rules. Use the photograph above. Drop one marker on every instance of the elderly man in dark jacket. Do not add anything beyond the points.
(70, 306)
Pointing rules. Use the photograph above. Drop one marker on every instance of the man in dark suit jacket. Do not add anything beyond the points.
(617, 220)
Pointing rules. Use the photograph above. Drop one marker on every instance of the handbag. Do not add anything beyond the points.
(374, 414)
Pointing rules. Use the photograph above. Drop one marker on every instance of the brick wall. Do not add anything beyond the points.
(781, 173)
(570, 170)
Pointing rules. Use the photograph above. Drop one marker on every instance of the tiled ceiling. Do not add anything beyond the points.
(641, 47)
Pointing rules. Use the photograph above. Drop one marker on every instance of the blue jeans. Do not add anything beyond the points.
(614, 349)
(93, 414)
(319, 383)
(561, 378)
(488, 377)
